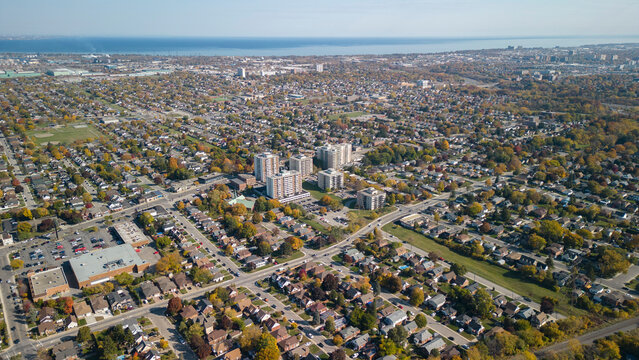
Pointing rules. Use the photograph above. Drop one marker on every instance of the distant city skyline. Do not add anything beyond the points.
(331, 18)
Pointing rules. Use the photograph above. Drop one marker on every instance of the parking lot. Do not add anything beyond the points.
(43, 252)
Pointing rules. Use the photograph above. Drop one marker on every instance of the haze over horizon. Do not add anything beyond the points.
(332, 18)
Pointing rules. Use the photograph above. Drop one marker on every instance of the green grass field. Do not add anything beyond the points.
(63, 135)
(348, 114)
(501, 276)
(318, 193)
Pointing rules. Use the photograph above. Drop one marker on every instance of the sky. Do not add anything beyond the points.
(324, 18)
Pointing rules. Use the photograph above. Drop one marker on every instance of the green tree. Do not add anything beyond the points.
(416, 297)
(458, 269)
(84, 334)
(421, 320)
(329, 325)
(146, 219)
(162, 242)
(474, 209)
(124, 279)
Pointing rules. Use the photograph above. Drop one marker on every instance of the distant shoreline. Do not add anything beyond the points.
(254, 46)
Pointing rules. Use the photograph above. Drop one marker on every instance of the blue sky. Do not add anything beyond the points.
(323, 18)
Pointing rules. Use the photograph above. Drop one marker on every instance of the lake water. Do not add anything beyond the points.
(287, 46)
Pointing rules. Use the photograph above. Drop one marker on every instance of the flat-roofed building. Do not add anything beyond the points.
(335, 156)
(370, 199)
(102, 265)
(330, 179)
(46, 284)
(265, 165)
(285, 186)
(130, 234)
(301, 163)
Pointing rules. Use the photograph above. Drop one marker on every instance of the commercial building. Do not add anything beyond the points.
(301, 163)
(335, 156)
(46, 284)
(130, 234)
(370, 199)
(265, 165)
(285, 186)
(102, 265)
(330, 179)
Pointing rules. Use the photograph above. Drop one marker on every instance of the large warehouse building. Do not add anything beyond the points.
(102, 265)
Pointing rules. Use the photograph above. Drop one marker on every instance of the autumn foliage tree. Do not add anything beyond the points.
(174, 306)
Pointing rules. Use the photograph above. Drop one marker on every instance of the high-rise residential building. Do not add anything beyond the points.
(330, 179)
(370, 199)
(319, 67)
(241, 72)
(301, 163)
(335, 156)
(266, 164)
(284, 185)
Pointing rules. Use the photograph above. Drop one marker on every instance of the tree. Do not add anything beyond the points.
(174, 306)
(421, 320)
(416, 297)
(270, 215)
(458, 269)
(46, 225)
(146, 219)
(257, 218)
(25, 214)
(398, 334)
(24, 228)
(329, 325)
(393, 283)
(162, 242)
(536, 242)
(474, 209)
(295, 242)
(267, 348)
(264, 248)
(180, 205)
(200, 275)
(547, 304)
(551, 230)
(247, 230)
(84, 334)
(330, 282)
(202, 349)
(607, 349)
(338, 354)
(169, 263)
(17, 264)
(164, 344)
(337, 340)
(248, 339)
(483, 304)
(124, 279)
(611, 261)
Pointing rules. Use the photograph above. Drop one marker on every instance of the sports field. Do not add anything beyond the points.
(64, 135)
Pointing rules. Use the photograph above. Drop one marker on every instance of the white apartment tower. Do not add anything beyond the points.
(284, 185)
(335, 156)
(301, 163)
(330, 179)
(265, 165)
(370, 199)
